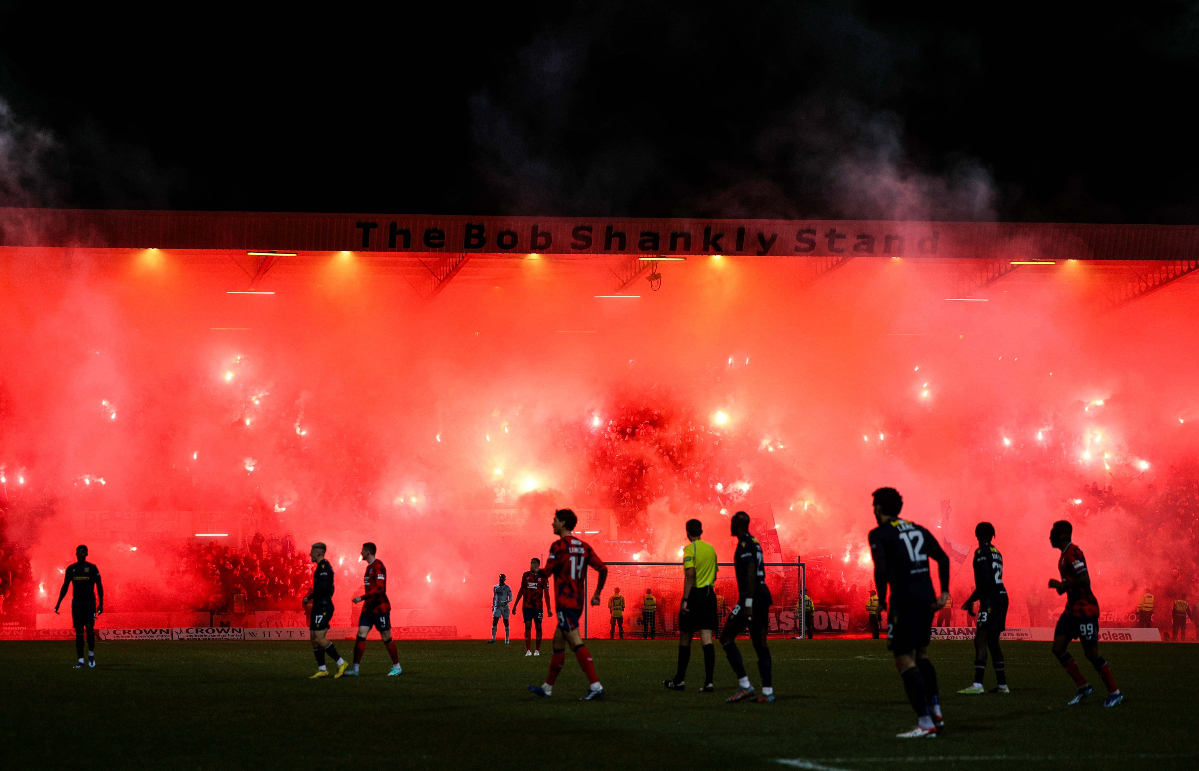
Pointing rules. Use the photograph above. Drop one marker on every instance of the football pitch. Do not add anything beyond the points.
(463, 705)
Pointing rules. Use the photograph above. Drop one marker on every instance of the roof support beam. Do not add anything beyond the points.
(826, 265)
(261, 264)
(980, 274)
(438, 275)
(1146, 281)
(627, 272)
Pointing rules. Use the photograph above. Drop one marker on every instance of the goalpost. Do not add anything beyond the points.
(786, 581)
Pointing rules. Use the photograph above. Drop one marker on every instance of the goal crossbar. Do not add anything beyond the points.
(800, 566)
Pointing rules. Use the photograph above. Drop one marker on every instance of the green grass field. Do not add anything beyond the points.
(463, 705)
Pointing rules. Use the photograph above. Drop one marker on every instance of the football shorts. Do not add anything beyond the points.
(1083, 628)
(992, 614)
(568, 619)
(83, 615)
(380, 621)
(532, 614)
(320, 616)
(909, 627)
(737, 622)
(701, 611)
(499, 612)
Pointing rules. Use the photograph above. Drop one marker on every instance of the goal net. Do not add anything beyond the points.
(664, 581)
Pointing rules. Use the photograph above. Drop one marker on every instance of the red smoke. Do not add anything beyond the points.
(342, 409)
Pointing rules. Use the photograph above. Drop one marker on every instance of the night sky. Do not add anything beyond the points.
(771, 109)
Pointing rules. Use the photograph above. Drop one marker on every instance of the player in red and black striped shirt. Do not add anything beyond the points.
(1080, 618)
(376, 612)
(534, 588)
(569, 558)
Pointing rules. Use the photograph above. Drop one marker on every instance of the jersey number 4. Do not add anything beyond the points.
(914, 540)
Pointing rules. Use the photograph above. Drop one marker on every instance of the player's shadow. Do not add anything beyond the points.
(993, 723)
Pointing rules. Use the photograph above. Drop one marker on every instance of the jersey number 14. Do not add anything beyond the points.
(578, 566)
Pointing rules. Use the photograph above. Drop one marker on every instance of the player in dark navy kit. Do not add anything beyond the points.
(992, 610)
(901, 552)
(1080, 619)
(534, 589)
(87, 602)
(752, 611)
(319, 604)
(568, 562)
(376, 612)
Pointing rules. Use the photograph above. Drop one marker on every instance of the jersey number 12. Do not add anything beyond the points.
(915, 550)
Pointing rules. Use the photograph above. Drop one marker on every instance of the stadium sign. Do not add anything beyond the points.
(111, 635)
(587, 236)
(831, 619)
(678, 237)
(1045, 634)
(967, 633)
(29, 633)
(1152, 634)
(277, 633)
(208, 633)
(425, 632)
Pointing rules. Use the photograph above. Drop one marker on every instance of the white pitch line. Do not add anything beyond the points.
(796, 763)
(815, 764)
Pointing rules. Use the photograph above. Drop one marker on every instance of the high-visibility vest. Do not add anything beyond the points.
(1146, 604)
(649, 605)
(872, 605)
(808, 606)
(1180, 607)
(616, 606)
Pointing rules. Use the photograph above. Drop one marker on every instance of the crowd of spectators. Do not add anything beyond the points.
(1166, 530)
(639, 453)
(268, 574)
(16, 579)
